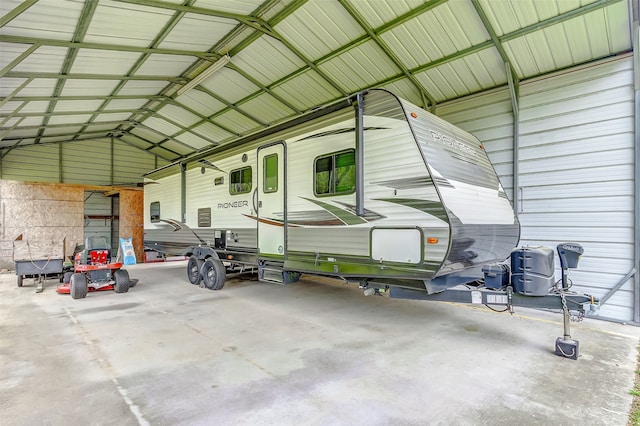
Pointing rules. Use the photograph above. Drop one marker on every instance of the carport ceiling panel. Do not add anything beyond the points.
(212, 132)
(194, 141)
(45, 19)
(87, 87)
(162, 65)
(382, 11)
(201, 102)
(142, 88)
(31, 107)
(94, 61)
(37, 87)
(406, 90)
(177, 146)
(197, 32)
(120, 104)
(438, 33)
(77, 105)
(267, 60)
(360, 67)
(307, 90)
(319, 28)
(69, 119)
(135, 141)
(460, 77)
(230, 85)
(62, 130)
(107, 116)
(99, 127)
(161, 126)
(148, 135)
(242, 7)
(179, 115)
(267, 109)
(236, 122)
(126, 24)
(10, 51)
(43, 59)
(161, 152)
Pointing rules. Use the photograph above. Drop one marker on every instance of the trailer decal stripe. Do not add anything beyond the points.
(346, 217)
(433, 208)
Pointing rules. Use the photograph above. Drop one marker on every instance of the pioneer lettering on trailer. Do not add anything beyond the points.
(233, 204)
(451, 142)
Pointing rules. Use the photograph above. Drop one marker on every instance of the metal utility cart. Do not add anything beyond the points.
(37, 260)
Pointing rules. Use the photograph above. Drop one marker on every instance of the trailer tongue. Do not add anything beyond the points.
(529, 284)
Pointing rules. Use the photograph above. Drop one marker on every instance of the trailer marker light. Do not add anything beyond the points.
(432, 240)
(229, 256)
(414, 115)
(481, 146)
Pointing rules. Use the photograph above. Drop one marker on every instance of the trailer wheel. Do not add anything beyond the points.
(194, 266)
(122, 281)
(213, 274)
(78, 286)
(20, 278)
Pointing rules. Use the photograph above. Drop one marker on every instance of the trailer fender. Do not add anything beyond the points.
(202, 252)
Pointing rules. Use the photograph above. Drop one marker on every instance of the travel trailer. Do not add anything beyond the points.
(372, 189)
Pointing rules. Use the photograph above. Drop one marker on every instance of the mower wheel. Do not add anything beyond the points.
(213, 274)
(78, 286)
(194, 266)
(122, 281)
(66, 279)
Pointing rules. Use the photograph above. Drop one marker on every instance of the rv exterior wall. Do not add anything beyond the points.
(403, 210)
(576, 168)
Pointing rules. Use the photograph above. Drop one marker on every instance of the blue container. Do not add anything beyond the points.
(532, 270)
(496, 275)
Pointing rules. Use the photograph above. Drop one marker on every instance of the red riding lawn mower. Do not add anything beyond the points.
(92, 271)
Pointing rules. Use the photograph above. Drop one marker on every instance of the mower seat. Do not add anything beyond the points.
(98, 250)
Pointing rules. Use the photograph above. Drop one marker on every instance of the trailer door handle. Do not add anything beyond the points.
(255, 200)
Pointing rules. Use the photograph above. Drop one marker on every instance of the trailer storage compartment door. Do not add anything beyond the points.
(396, 245)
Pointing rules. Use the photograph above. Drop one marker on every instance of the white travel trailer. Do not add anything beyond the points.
(372, 189)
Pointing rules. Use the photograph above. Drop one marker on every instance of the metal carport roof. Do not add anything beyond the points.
(74, 70)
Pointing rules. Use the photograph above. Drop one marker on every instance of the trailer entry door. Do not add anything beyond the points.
(271, 200)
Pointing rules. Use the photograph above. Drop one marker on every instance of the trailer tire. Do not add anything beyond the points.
(194, 270)
(78, 286)
(123, 283)
(20, 279)
(213, 274)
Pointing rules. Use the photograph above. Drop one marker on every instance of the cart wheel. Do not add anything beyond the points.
(122, 281)
(194, 266)
(20, 278)
(213, 274)
(78, 286)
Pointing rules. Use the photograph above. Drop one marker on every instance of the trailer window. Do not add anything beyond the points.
(335, 173)
(270, 173)
(240, 181)
(154, 209)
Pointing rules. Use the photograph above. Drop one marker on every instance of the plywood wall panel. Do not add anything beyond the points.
(131, 220)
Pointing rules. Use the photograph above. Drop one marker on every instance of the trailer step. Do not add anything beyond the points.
(273, 272)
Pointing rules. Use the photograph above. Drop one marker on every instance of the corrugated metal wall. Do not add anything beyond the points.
(576, 167)
(99, 162)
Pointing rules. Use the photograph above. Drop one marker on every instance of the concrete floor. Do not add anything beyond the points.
(313, 353)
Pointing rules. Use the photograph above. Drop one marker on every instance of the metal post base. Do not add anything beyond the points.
(567, 348)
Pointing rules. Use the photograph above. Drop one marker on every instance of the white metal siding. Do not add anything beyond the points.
(84, 162)
(576, 167)
(35, 163)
